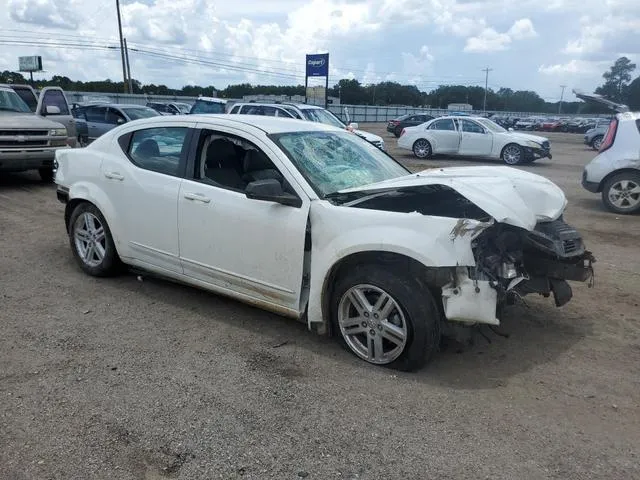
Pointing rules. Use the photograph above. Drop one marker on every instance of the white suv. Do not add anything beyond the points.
(302, 111)
(615, 172)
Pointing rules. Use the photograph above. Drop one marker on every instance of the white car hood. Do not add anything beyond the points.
(509, 195)
(370, 137)
(527, 137)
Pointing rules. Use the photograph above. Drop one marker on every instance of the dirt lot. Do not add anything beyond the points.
(128, 379)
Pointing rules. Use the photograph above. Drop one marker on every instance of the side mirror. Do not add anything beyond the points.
(120, 121)
(270, 190)
(52, 110)
(511, 129)
(354, 125)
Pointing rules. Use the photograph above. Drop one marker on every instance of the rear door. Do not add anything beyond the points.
(53, 104)
(97, 122)
(445, 136)
(475, 140)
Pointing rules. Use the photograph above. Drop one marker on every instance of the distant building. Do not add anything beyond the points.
(460, 107)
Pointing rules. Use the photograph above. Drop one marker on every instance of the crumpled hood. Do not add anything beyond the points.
(370, 137)
(533, 138)
(509, 195)
(11, 120)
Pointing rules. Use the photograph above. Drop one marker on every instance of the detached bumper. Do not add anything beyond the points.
(536, 153)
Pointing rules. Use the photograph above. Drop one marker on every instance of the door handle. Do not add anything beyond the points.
(114, 175)
(198, 197)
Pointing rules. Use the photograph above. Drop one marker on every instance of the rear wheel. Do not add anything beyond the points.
(513, 154)
(386, 317)
(91, 241)
(46, 174)
(621, 193)
(596, 143)
(422, 148)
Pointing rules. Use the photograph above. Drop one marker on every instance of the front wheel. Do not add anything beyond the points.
(91, 241)
(621, 193)
(385, 317)
(513, 154)
(422, 148)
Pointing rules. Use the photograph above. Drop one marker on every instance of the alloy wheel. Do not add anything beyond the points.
(422, 149)
(512, 154)
(89, 239)
(372, 324)
(625, 194)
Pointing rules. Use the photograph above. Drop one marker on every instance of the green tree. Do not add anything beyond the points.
(617, 80)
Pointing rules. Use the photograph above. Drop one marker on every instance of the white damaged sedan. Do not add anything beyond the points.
(314, 223)
(473, 137)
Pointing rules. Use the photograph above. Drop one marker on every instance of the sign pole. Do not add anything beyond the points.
(31, 75)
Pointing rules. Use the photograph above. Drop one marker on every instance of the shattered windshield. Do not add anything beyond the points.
(9, 100)
(333, 161)
(322, 116)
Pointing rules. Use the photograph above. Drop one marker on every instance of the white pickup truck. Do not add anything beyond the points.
(33, 127)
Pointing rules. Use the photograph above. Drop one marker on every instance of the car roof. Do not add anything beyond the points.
(264, 123)
(2, 87)
(211, 99)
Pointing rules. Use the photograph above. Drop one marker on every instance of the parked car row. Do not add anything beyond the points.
(550, 124)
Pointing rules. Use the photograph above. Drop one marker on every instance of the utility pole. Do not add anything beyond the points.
(561, 98)
(126, 56)
(486, 85)
(124, 66)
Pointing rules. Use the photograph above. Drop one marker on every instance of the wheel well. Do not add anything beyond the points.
(433, 278)
(421, 138)
(614, 173)
(70, 207)
(508, 145)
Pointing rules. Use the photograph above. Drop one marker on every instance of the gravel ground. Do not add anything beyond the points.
(144, 379)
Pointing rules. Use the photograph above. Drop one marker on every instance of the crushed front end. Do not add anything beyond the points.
(511, 263)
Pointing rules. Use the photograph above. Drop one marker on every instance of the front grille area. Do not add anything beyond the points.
(26, 144)
(26, 133)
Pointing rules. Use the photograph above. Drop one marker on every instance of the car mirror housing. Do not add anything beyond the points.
(270, 190)
(52, 110)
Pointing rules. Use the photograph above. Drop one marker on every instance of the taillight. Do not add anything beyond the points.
(610, 137)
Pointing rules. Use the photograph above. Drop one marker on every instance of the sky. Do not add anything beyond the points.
(527, 44)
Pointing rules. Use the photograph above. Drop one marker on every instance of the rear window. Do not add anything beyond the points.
(208, 107)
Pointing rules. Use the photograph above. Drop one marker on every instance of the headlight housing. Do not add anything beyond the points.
(532, 144)
(58, 132)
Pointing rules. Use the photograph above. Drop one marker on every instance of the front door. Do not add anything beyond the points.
(475, 139)
(142, 180)
(96, 122)
(253, 248)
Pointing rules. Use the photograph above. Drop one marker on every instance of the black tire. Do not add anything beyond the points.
(633, 200)
(397, 131)
(504, 155)
(46, 174)
(421, 316)
(419, 151)
(596, 142)
(110, 263)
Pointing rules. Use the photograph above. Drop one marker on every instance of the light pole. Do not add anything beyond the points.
(486, 85)
(561, 97)
(124, 66)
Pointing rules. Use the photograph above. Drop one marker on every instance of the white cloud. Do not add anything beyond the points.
(522, 29)
(488, 41)
(572, 67)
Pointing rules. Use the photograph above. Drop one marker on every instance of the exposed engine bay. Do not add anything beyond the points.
(510, 262)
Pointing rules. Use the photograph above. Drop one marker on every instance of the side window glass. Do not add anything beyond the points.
(27, 97)
(55, 98)
(158, 149)
(253, 110)
(232, 163)
(114, 117)
(235, 109)
(269, 111)
(471, 127)
(446, 124)
(95, 114)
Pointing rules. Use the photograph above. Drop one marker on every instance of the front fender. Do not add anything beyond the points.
(339, 232)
